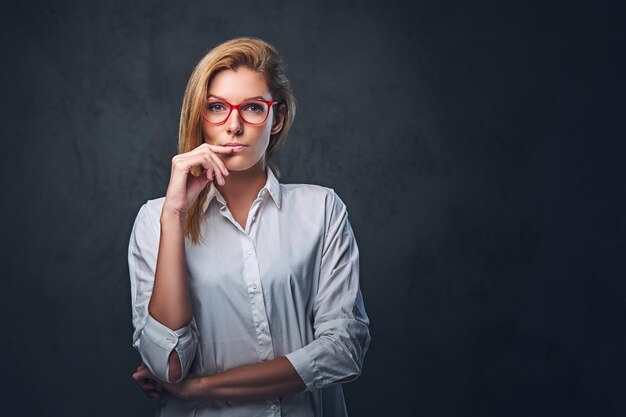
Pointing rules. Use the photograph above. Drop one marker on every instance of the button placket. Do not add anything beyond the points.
(253, 212)
(257, 306)
(252, 280)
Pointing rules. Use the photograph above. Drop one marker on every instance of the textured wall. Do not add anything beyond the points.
(476, 146)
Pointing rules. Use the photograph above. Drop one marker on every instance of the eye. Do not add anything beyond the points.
(254, 107)
(216, 107)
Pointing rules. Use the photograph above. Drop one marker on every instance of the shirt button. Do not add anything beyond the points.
(250, 252)
(254, 286)
(274, 407)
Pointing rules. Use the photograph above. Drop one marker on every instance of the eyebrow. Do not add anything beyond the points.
(245, 99)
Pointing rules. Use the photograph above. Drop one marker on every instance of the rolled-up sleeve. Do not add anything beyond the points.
(340, 321)
(152, 339)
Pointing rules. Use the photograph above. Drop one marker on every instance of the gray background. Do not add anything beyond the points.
(478, 148)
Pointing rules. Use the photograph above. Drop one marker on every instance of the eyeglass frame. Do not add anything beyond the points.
(269, 103)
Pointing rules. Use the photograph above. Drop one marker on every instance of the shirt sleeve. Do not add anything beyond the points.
(153, 340)
(340, 321)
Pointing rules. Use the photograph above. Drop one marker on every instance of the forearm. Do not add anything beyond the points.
(271, 379)
(170, 303)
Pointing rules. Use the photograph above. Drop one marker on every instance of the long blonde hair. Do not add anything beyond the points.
(246, 52)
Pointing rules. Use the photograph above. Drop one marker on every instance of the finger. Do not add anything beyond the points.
(149, 388)
(209, 174)
(217, 173)
(145, 385)
(179, 176)
(152, 393)
(186, 164)
(219, 176)
(211, 152)
(221, 149)
(146, 382)
(220, 163)
(142, 374)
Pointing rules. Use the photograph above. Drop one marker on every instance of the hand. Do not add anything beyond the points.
(146, 381)
(184, 188)
(184, 390)
(187, 389)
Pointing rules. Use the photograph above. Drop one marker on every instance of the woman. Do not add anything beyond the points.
(245, 291)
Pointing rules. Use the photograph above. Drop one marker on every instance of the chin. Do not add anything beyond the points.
(240, 164)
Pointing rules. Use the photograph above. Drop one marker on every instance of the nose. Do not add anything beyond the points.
(234, 124)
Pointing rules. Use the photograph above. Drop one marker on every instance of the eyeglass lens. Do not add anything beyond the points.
(250, 111)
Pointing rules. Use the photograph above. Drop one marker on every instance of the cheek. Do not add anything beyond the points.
(263, 142)
(259, 135)
(208, 133)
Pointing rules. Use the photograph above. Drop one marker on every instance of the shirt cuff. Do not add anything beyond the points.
(305, 366)
(158, 341)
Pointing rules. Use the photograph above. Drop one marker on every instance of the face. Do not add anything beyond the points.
(236, 86)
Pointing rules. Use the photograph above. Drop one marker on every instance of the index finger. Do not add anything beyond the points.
(220, 149)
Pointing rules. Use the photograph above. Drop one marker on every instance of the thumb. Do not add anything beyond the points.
(142, 374)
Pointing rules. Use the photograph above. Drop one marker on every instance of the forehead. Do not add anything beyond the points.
(238, 84)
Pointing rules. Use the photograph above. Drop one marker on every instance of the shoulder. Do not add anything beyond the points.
(149, 215)
(314, 202)
(154, 207)
(311, 194)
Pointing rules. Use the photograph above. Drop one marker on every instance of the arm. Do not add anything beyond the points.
(339, 318)
(166, 350)
(170, 303)
(341, 335)
(272, 379)
(161, 299)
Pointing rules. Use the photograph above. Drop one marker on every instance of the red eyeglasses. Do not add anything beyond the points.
(252, 112)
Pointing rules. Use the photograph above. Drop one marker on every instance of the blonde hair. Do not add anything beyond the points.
(246, 52)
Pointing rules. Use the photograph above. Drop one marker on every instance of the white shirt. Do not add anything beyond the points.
(286, 285)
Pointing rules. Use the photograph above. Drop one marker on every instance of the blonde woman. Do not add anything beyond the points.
(245, 291)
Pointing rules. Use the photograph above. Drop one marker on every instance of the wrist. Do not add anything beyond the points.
(200, 388)
(172, 217)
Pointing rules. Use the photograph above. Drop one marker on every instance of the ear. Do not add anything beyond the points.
(279, 119)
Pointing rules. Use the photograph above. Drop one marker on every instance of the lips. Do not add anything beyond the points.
(236, 146)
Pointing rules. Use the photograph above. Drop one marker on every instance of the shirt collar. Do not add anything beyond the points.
(272, 186)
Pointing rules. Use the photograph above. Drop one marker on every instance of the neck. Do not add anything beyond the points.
(242, 187)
